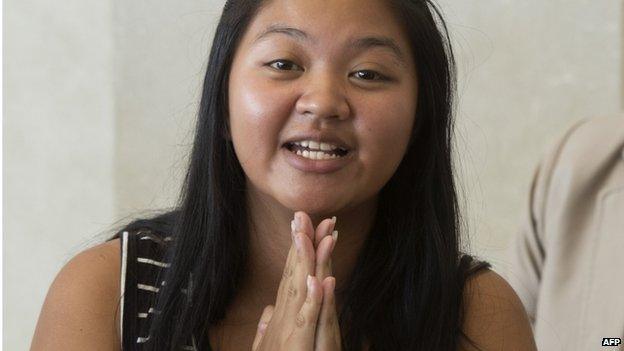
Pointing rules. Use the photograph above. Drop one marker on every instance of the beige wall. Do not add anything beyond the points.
(100, 95)
(58, 137)
(160, 54)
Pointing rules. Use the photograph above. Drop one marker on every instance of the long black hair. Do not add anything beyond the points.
(406, 290)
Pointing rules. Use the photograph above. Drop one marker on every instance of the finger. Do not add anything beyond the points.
(323, 267)
(328, 330)
(304, 265)
(305, 224)
(325, 250)
(307, 317)
(323, 253)
(323, 229)
(287, 273)
(265, 319)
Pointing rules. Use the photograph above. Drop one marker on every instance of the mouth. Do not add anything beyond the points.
(318, 154)
(314, 161)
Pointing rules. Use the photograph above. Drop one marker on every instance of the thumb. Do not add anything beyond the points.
(267, 313)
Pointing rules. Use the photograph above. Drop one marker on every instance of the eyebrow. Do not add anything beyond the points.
(362, 43)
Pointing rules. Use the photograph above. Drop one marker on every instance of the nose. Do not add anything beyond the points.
(323, 97)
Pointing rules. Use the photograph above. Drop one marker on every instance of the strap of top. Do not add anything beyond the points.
(142, 272)
(470, 265)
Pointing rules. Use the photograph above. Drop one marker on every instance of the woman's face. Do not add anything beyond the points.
(286, 83)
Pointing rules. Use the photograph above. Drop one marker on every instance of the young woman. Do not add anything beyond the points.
(367, 85)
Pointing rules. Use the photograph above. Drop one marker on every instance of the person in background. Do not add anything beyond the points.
(567, 261)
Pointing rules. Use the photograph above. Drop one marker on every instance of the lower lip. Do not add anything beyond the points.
(316, 166)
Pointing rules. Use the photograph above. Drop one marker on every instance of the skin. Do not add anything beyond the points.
(323, 89)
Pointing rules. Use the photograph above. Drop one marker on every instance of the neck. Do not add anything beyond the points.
(270, 242)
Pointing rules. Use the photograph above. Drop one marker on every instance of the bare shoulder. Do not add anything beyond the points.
(80, 311)
(495, 318)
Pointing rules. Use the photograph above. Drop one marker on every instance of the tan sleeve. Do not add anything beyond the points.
(528, 248)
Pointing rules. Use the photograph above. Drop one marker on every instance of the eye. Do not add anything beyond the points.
(282, 65)
(369, 73)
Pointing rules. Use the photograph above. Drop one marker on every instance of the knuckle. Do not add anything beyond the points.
(287, 273)
(300, 320)
(292, 291)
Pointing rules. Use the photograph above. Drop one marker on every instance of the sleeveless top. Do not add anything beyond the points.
(142, 269)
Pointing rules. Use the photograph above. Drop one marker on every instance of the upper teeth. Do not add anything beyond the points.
(316, 145)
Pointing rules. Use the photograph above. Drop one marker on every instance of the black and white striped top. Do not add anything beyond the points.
(142, 269)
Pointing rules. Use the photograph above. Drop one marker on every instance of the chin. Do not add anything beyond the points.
(315, 208)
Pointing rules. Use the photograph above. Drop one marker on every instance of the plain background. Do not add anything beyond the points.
(100, 96)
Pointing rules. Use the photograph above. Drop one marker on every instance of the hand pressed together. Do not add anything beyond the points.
(304, 316)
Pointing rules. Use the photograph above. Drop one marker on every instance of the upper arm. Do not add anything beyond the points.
(494, 317)
(81, 311)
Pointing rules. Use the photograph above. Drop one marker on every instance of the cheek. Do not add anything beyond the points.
(256, 117)
(387, 126)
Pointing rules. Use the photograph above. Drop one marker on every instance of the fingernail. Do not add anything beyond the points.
(309, 282)
(292, 227)
(335, 235)
(334, 219)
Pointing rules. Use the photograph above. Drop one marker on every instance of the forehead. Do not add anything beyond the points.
(327, 24)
